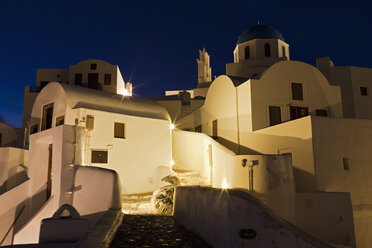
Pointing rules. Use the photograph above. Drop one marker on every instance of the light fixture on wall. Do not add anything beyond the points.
(244, 162)
(171, 126)
(224, 184)
(124, 92)
(171, 162)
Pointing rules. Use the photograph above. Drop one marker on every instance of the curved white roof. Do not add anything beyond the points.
(80, 97)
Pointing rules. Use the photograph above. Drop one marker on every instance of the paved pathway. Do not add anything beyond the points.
(153, 231)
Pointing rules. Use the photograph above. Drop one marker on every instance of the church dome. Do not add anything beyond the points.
(259, 32)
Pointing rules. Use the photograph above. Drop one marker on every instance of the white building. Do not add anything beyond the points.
(267, 104)
(296, 136)
(80, 140)
(91, 73)
(129, 135)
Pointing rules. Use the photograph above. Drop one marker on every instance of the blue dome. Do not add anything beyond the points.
(259, 32)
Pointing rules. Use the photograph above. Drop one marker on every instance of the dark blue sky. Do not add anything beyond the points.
(155, 43)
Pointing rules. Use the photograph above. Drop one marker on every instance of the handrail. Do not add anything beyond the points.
(10, 228)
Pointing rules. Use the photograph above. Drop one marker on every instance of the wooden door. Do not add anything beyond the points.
(50, 166)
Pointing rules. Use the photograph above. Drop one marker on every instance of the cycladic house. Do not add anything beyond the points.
(268, 104)
(80, 140)
(297, 137)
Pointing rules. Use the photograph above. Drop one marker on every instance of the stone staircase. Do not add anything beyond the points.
(143, 203)
(191, 178)
(137, 203)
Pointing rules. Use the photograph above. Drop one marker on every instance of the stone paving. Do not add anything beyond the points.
(153, 231)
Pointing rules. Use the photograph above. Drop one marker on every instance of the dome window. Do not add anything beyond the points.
(246, 52)
(267, 50)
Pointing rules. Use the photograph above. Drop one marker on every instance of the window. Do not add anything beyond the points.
(275, 115)
(78, 79)
(363, 91)
(321, 112)
(198, 129)
(119, 130)
(58, 76)
(298, 112)
(107, 79)
(267, 50)
(99, 157)
(214, 129)
(33, 129)
(93, 66)
(246, 52)
(60, 120)
(283, 51)
(297, 91)
(1, 139)
(345, 163)
(47, 118)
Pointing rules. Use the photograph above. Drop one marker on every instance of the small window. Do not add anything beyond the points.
(78, 79)
(58, 76)
(267, 50)
(107, 79)
(297, 91)
(46, 121)
(198, 129)
(246, 52)
(93, 66)
(298, 112)
(33, 129)
(119, 131)
(321, 112)
(60, 120)
(283, 51)
(275, 115)
(99, 157)
(1, 139)
(363, 91)
(345, 163)
(215, 129)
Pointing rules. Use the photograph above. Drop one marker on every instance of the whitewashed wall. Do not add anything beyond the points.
(217, 216)
(13, 164)
(274, 88)
(331, 144)
(326, 216)
(139, 157)
(273, 181)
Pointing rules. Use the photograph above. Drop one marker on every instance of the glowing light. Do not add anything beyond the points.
(124, 92)
(172, 126)
(224, 184)
(172, 162)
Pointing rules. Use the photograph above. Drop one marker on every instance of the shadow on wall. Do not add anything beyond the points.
(304, 176)
(235, 147)
(15, 180)
(22, 214)
(234, 218)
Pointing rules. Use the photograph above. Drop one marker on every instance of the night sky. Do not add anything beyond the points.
(156, 43)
